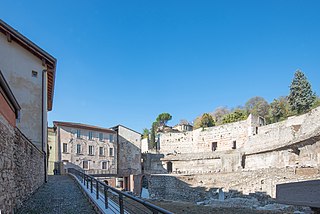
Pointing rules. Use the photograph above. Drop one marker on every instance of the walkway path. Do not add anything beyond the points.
(59, 195)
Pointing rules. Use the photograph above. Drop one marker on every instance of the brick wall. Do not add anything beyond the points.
(21, 167)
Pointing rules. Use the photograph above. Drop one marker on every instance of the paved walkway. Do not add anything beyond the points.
(59, 195)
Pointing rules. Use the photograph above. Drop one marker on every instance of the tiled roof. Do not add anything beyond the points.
(82, 126)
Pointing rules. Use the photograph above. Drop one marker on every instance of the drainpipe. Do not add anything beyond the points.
(44, 123)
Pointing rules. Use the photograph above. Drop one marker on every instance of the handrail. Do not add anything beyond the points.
(120, 194)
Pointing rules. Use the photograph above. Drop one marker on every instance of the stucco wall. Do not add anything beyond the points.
(17, 64)
(68, 135)
(144, 145)
(129, 144)
(21, 167)
(53, 150)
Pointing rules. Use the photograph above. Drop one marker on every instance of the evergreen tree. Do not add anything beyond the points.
(206, 121)
(154, 129)
(146, 133)
(163, 118)
(301, 97)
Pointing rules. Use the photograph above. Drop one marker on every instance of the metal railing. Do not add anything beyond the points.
(115, 200)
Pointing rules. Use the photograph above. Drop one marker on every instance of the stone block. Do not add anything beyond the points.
(305, 193)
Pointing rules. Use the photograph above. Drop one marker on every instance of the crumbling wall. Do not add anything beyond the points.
(283, 152)
(21, 167)
(226, 137)
(129, 146)
(152, 164)
(172, 188)
(198, 187)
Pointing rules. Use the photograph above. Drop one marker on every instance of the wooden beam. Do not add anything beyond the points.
(9, 39)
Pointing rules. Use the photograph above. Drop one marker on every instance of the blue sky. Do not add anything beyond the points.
(125, 62)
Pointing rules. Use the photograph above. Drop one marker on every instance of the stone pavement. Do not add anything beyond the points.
(59, 195)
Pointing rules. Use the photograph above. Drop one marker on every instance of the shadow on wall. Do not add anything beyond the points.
(152, 164)
(129, 161)
(61, 167)
(174, 189)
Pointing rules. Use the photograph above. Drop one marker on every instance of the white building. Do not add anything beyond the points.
(91, 148)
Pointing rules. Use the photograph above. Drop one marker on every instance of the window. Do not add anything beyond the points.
(78, 148)
(234, 144)
(111, 138)
(90, 150)
(65, 148)
(104, 165)
(214, 146)
(110, 151)
(85, 164)
(78, 133)
(34, 73)
(101, 151)
(90, 135)
(101, 136)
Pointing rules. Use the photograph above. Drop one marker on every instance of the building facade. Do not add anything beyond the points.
(129, 157)
(52, 150)
(27, 76)
(30, 73)
(91, 148)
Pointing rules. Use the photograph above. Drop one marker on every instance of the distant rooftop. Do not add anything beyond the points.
(82, 126)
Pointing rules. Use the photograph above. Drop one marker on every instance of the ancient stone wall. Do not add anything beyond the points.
(219, 138)
(21, 167)
(283, 152)
(172, 188)
(152, 164)
(197, 187)
(289, 143)
(129, 145)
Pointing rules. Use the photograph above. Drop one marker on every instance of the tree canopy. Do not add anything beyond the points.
(219, 113)
(235, 116)
(279, 110)
(301, 97)
(163, 118)
(145, 133)
(206, 121)
(257, 106)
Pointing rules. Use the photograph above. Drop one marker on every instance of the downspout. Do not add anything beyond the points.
(44, 78)
(118, 149)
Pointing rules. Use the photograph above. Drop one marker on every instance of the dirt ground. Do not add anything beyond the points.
(185, 207)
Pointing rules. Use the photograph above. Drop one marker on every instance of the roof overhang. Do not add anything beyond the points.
(48, 61)
(83, 126)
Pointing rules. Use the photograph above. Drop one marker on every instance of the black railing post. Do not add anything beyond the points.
(106, 197)
(91, 188)
(87, 178)
(121, 203)
(97, 188)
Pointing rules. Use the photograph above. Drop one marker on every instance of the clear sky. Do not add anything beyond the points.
(125, 62)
